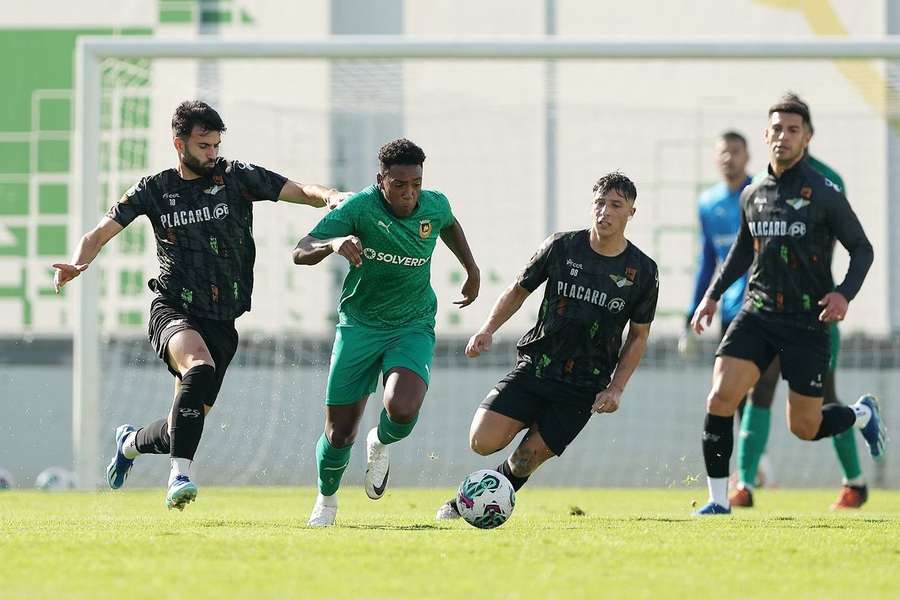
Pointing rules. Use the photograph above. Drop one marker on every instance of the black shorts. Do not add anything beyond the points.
(220, 337)
(804, 353)
(560, 410)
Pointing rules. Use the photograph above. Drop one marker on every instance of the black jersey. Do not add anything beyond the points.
(204, 234)
(788, 228)
(588, 300)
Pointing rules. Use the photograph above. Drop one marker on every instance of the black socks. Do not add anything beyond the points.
(836, 418)
(517, 482)
(718, 443)
(198, 387)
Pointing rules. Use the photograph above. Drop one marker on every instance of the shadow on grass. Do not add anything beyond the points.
(388, 527)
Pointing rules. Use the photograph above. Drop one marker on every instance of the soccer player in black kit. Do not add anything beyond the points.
(572, 363)
(789, 222)
(202, 216)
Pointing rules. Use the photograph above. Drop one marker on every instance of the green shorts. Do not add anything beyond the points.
(835, 346)
(360, 353)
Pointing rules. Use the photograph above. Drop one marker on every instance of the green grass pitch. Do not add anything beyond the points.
(635, 543)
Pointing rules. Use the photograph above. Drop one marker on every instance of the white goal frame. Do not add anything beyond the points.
(91, 51)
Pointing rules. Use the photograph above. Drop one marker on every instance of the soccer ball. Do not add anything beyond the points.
(54, 479)
(6, 480)
(485, 499)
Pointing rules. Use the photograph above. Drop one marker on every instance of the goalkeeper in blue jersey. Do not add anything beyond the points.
(720, 216)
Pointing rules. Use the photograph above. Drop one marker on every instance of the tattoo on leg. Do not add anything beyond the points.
(521, 462)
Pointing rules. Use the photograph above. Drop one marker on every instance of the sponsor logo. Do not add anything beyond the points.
(393, 259)
(586, 294)
(138, 187)
(768, 228)
(797, 203)
(797, 229)
(214, 189)
(574, 267)
(179, 218)
(616, 305)
(175, 323)
(189, 413)
(620, 281)
(424, 228)
(832, 185)
(759, 200)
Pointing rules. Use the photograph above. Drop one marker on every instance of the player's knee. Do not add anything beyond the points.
(805, 429)
(482, 444)
(341, 436)
(718, 403)
(403, 412)
(192, 361)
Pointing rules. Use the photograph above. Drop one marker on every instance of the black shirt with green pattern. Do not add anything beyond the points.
(588, 300)
(204, 234)
(788, 229)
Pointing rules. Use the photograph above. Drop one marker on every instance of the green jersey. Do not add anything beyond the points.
(392, 287)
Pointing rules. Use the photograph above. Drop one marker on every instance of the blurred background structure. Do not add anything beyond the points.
(516, 146)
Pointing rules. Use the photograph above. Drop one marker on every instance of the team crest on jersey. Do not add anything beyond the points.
(218, 180)
(806, 192)
(630, 274)
(620, 281)
(424, 228)
(797, 203)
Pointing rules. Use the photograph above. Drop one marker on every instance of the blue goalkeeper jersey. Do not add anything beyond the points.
(720, 218)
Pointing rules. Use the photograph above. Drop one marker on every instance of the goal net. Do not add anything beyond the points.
(516, 144)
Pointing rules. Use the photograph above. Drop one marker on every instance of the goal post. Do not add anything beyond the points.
(88, 364)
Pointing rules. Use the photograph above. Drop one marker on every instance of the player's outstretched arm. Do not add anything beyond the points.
(509, 302)
(311, 251)
(312, 194)
(633, 349)
(455, 239)
(85, 252)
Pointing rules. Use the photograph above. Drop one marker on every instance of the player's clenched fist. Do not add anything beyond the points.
(607, 401)
(478, 343)
(66, 273)
(350, 248)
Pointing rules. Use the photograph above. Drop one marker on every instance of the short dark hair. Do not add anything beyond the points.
(733, 136)
(195, 112)
(400, 152)
(616, 182)
(792, 103)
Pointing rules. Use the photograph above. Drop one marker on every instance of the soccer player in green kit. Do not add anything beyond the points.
(387, 232)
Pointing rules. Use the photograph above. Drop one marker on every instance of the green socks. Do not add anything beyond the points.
(752, 441)
(330, 463)
(755, 434)
(390, 431)
(845, 447)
